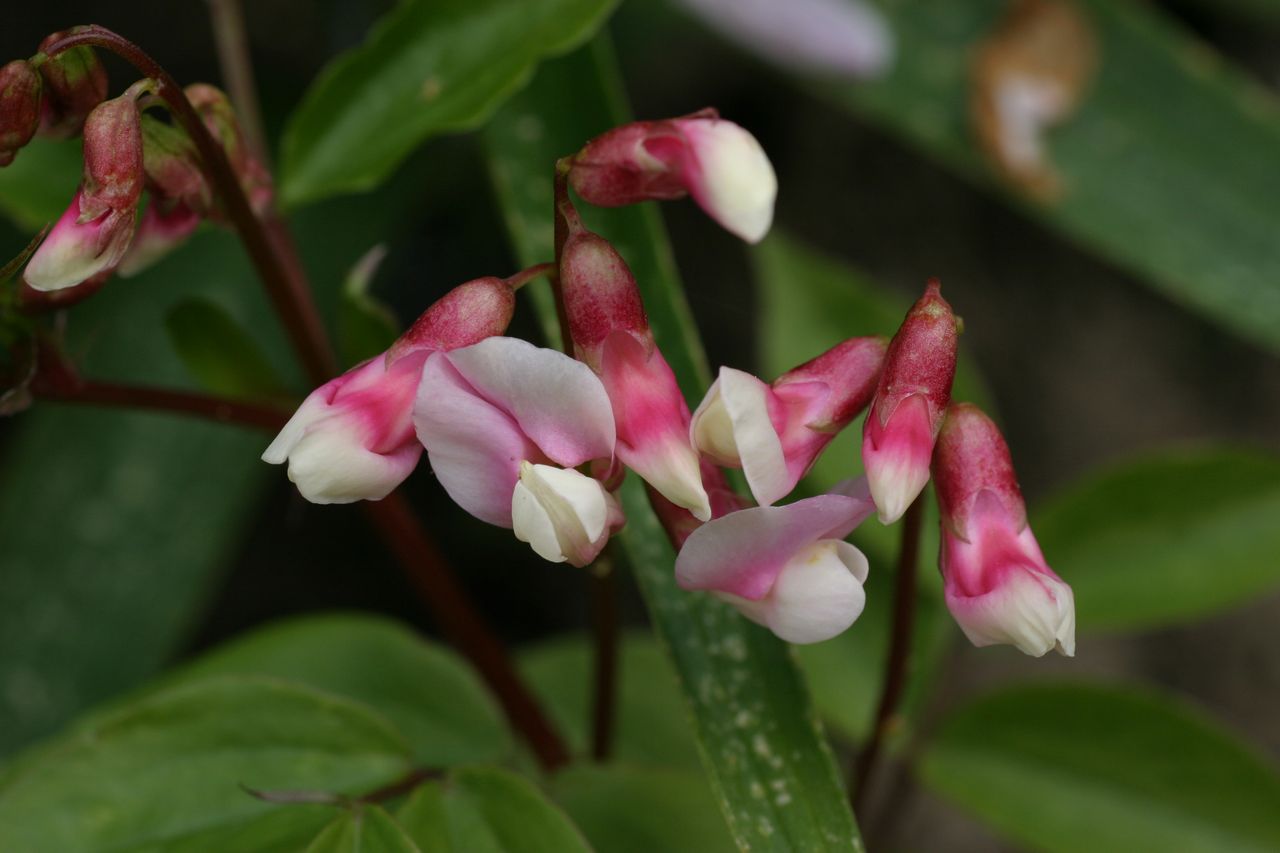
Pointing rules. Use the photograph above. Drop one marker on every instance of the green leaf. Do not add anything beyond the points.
(219, 352)
(428, 67)
(652, 726)
(1167, 539)
(486, 810)
(38, 185)
(1131, 163)
(365, 829)
(366, 327)
(432, 697)
(772, 772)
(1100, 769)
(169, 772)
(624, 809)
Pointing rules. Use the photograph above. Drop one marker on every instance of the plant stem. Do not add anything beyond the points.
(232, 43)
(895, 677)
(463, 626)
(604, 633)
(287, 290)
(220, 409)
(271, 250)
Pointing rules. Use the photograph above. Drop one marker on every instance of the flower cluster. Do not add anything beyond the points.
(537, 441)
(143, 191)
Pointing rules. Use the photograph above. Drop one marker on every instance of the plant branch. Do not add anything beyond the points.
(895, 677)
(286, 288)
(232, 43)
(209, 407)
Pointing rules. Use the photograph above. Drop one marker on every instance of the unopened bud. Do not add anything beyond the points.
(717, 162)
(910, 404)
(19, 107)
(173, 167)
(74, 83)
(600, 296)
(219, 117)
(113, 171)
(471, 312)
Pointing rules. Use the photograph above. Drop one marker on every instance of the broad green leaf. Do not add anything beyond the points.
(652, 726)
(428, 67)
(1180, 189)
(1168, 538)
(626, 809)
(38, 185)
(1102, 769)
(219, 352)
(366, 327)
(431, 696)
(772, 772)
(365, 829)
(486, 810)
(169, 772)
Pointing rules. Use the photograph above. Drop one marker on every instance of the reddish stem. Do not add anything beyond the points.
(895, 679)
(206, 406)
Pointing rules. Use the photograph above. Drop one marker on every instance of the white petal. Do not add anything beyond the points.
(559, 403)
(817, 596)
(532, 523)
(560, 512)
(763, 461)
(734, 181)
(1029, 610)
(312, 410)
(331, 465)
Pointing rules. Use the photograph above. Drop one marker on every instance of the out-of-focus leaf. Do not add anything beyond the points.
(432, 697)
(38, 185)
(1168, 538)
(366, 327)
(428, 67)
(1190, 212)
(486, 810)
(652, 726)
(169, 772)
(219, 352)
(367, 829)
(624, 809)
(752, 715)
(1100, 769)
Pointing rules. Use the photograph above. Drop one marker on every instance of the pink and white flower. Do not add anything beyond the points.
(998, 586)
(717, 162)
(353, 438)
(504, 423)
(910, 404)
(611, 335)
(785, 567)
(77, 249)
(775, 432)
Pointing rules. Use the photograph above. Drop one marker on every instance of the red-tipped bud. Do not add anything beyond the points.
(998, 586)
(113, 172)
(910, 404)
(74, 83)
(479, 309)
(19, 107)
(173, 167)
(776, 432)
(717, 162)
(220, 118)
(610, 333)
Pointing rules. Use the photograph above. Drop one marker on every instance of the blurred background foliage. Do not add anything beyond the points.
(1126, 332)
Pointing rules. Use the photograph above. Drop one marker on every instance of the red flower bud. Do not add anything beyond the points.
(19, 107)
(471, 312)
(74, 83)
(220, 118)
(113, 172)
(910, 404)
(173, 167)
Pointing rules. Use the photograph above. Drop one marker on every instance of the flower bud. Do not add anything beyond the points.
(74, 83)
(113, 169)
(19, 107)
(776, 432)
(76, 251)
(610, 333)
(910, 404)
(717, 162)
(173, 167)
(565, 516)
(220, 118)
(998, 586)
(785, 567)
(468, 314)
